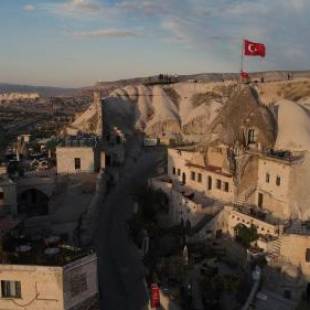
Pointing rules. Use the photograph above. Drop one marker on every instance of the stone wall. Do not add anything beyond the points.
(275, 196)
(293, 249)
(190, 165)
(66, 155)
(234, 217)
(80, 281)
(41, 287)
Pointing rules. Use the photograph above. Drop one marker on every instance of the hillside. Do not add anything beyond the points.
(210, 112)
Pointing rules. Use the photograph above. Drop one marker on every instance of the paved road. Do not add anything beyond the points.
(120, 270)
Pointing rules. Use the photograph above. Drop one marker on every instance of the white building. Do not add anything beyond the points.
(58, 287)
(78, 155)
(276, 183)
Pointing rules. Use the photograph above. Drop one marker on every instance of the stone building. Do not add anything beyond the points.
(78, 155)
(275, 182)
(52, 284)
(211, 176)
(264, 188)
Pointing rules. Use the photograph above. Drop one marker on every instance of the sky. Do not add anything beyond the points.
(79, 42)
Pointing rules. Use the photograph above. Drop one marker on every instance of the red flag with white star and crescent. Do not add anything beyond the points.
(254, 49)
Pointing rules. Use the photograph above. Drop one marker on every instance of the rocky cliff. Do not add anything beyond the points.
(214, 111)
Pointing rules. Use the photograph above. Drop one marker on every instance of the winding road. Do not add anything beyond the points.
(120, 269)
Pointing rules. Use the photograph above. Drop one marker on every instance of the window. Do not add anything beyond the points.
(1, 195)
(78, 284)
(251, 136)
(179, 172)
(260, 200)
(173, 170)
(278, 181)
(308, 255)
(77, 163)
(226, 186)
(10, 289)
(193, 175)
(267, 177)
(218, 184)
(209, 183)
(199, 177)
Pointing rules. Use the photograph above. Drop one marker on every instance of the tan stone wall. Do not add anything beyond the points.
(178, 159)
(220, 194)
(274, 169)
(41, 287)
(299, 189)
(234, 218)
(216, 156)
(276, 198)
(278, 208)
(182, 207)
(80, 281)
(66, 155)
(293, 248)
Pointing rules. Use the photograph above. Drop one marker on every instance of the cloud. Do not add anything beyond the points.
(76, 8)
(107, 33)
(214, 27)
(29, 8)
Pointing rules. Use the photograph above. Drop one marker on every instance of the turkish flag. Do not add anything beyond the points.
(244, 75)
(254, 49)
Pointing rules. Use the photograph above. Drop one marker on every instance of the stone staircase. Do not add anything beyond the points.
(274, 250)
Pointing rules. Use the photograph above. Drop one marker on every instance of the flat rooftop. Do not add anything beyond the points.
(79, 142)
(298, 228)
(283, 156)
(50, 251)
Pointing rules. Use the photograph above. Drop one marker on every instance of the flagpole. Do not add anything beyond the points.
(242, 60)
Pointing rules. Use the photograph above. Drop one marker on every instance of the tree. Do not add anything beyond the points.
(245, 235)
